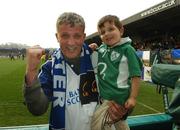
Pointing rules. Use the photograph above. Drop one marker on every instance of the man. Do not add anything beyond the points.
(67, 80)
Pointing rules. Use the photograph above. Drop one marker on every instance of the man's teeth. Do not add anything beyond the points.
(71, 48)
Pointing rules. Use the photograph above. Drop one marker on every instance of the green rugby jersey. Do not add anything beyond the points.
(116, 65)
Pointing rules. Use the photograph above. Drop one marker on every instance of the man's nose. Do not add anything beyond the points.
(71, 41)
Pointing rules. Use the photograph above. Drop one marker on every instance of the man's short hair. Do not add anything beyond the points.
(70, 18)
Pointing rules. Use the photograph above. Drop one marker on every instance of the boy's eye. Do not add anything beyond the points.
(102, 32)
(110, 29)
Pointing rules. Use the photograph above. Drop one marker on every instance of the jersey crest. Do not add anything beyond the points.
(114, 55)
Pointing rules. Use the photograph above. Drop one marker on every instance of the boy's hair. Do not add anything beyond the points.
(70, 18)
(111, 19)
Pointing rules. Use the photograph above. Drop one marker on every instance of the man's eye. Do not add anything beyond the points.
(77, 36)
(65, 36)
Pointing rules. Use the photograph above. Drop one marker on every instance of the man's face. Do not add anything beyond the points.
(71, 40)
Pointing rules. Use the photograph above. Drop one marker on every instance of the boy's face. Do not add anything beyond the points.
(110, 34)
(71, 40)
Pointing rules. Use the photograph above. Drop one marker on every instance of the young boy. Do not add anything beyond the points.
(118, 74)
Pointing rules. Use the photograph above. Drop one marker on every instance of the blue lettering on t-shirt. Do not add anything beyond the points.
(72, 97)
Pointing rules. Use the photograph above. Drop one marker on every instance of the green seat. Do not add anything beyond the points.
(165, 74)
(169, 76)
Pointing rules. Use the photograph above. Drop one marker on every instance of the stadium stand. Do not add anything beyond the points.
(155, 27)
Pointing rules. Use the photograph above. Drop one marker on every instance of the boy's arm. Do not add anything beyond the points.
(131, 102)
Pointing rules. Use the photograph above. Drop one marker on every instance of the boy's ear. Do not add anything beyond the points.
(122, 30)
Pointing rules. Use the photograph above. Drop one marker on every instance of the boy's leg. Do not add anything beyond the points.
(121, 125)
(98, 116)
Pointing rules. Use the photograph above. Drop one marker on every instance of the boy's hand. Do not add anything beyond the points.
(93, 46)
(130, 103)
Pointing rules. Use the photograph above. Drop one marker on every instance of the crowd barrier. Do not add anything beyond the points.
(159, 121)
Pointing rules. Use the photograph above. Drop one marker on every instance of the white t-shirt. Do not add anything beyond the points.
(77, 116)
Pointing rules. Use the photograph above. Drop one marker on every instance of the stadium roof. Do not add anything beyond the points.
(162, 18)
(157, 20)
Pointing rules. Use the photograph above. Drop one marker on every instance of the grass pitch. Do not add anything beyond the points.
(14, 113)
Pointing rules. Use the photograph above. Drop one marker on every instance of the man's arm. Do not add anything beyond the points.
(35, 99)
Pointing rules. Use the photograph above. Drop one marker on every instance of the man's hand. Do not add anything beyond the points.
(34, 55)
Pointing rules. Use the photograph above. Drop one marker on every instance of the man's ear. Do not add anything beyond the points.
(57, 37)
(84, 35)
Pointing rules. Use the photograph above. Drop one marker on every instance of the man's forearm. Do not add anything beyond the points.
(35, 99)
(31, 74)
